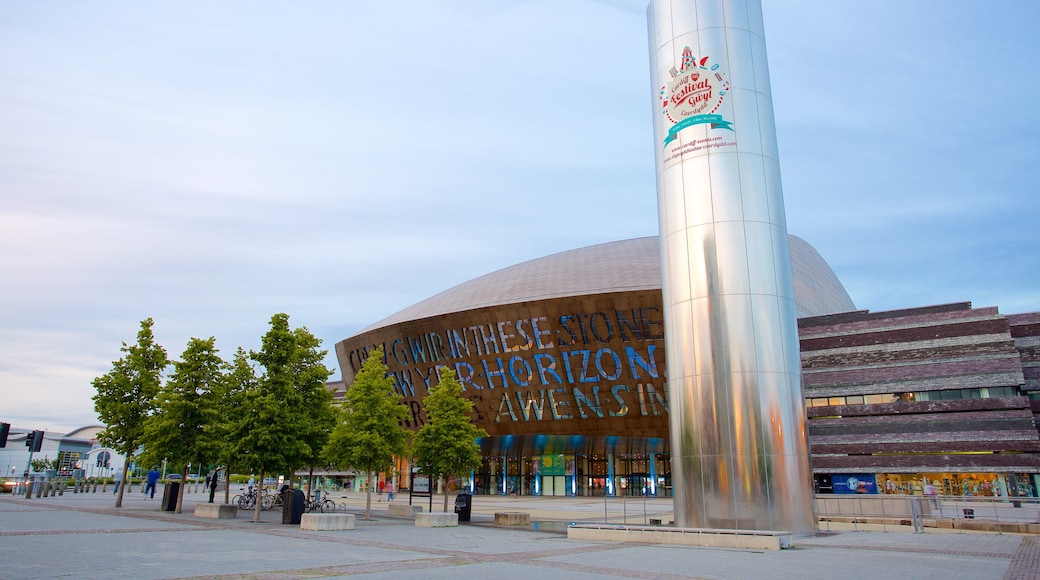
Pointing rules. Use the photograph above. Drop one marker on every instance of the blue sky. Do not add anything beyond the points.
(211, 164)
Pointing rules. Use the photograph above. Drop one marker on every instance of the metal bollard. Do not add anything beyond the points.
(28, 487)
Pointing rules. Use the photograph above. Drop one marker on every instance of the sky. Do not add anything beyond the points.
(211, 164)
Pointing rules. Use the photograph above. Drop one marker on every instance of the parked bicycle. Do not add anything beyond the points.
(321, 503)
(247, 500)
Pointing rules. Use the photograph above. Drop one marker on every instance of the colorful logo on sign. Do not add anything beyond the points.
(694, 94)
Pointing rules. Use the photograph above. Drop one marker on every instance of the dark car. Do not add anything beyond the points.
(173, 476)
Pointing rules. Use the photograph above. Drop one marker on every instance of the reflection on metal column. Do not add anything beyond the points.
(739, 453)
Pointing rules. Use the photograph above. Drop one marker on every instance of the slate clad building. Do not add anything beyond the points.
(563, 357)
(901, 399)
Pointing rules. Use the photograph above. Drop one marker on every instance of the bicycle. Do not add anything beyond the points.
(247, 500)
(272, 500)
(322, 504)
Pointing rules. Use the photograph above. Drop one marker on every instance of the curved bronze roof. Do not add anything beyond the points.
(620, 266)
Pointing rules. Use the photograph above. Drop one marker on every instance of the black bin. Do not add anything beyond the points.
(463, 505)
(293, 505)
(169, 496)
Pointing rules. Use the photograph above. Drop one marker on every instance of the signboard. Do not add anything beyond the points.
(420, 487)
(854, 483)
(420, 484)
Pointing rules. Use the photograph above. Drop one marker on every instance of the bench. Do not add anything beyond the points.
(402, 510)
(436, 520)
(512, 519)
(218, 511)
(319, 522)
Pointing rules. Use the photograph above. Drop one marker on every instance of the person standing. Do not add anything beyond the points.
(390, 492)
(151, 479)
(212, 481)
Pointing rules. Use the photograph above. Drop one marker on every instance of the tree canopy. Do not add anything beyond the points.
(126, 395)
(229, 412)
(285, 419)
(369, 434)
(446, 445)
(175, 431)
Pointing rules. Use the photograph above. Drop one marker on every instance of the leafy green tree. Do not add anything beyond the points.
(229, 411)
(369, 433)
(126, 395)
(447, 444)
(282, 421)
(175, 431)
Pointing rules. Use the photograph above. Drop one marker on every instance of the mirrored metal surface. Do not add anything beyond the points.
(737, 424)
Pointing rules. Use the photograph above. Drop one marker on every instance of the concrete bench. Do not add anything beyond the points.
(436, 520)
(402, 509)
(512, 519)
(720, 538)
(219, 511)
(319, 522)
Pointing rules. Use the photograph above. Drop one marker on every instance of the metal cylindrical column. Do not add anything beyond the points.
(737, 417)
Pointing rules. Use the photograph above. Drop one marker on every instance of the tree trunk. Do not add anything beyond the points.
(227, 484)
(180, 490)
(310, 478)
(444, 488)
(368, 496)
(257, 490)
(122, 484)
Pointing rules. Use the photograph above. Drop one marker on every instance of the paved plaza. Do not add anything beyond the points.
(84, 536)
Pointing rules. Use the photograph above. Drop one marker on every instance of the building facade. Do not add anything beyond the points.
(564, 360)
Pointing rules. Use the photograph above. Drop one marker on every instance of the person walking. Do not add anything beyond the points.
(118, 480)
(151, 479)
(390, 492)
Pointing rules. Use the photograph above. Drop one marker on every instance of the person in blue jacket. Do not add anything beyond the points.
(150, 481)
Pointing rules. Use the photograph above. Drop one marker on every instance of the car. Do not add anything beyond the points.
(173, 476)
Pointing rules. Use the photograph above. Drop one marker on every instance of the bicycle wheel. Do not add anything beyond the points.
(266, 502)
(327, 505)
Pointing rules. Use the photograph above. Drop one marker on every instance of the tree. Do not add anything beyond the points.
(369, 433)
(183, 410)
(447, 444)
(126, 395)
(229, 411)
(282, 419)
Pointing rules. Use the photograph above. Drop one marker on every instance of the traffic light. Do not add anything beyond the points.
(34, 441)
(5, 429)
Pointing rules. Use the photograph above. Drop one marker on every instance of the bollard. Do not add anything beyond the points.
(28, 487)
(39, 488)
(95, 485)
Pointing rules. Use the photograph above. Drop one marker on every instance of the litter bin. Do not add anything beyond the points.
(463, 505)
(293, 505)
(169, 496)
